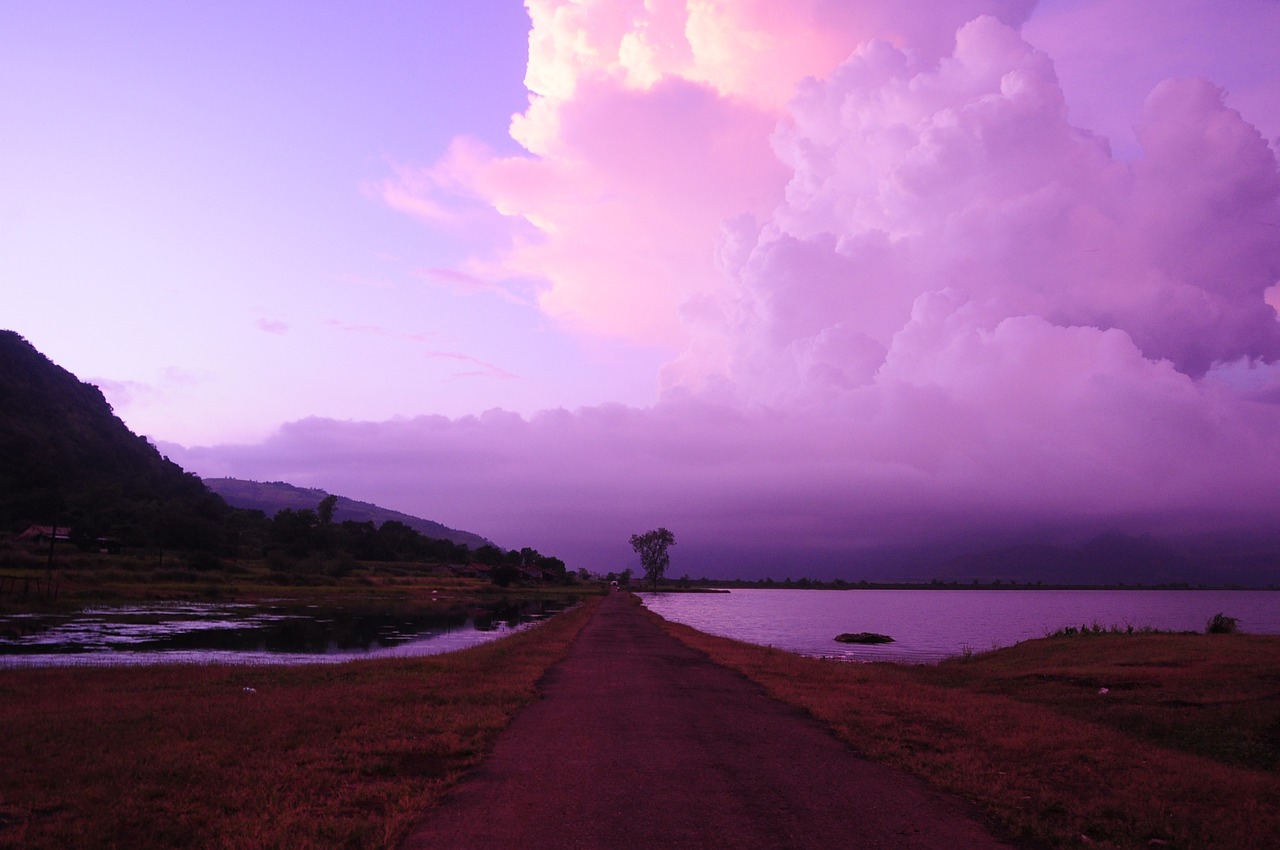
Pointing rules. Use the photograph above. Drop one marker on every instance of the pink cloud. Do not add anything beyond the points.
(648, 125)
(124, 394)
(459, 281)
(597, 229)
(967, 176)
(481, 368)
(272, 326)
(913, 301)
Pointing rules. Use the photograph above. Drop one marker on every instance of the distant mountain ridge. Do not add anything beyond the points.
(1115, 557)
(67, 460)
(273, 496)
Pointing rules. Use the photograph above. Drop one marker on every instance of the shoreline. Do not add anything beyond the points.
(1018, 730)
(725, 586)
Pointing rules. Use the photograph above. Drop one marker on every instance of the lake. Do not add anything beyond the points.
(930, 625)
(264, 633)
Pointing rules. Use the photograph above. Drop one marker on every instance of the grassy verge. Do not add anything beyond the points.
(81, 579)
(1181, 750)
(320, 756)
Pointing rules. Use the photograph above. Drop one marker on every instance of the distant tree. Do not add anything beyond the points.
(294, 531)
(652, 549)
(398, 539)
(325, 509)
(1221, 624)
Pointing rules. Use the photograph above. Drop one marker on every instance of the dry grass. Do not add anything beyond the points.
(320, 756)
(1216, 696)
(82, 579)
(1180, 751)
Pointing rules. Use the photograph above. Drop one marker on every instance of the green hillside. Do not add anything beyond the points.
(67, 460)
(275, 496)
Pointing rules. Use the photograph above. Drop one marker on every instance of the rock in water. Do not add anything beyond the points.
(863, 637)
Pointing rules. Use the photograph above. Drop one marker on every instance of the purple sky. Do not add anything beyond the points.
(807, 279)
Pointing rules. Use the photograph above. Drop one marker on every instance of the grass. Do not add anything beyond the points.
(1181, 750)
(1099, 738)
(321, 756)
(82, 579)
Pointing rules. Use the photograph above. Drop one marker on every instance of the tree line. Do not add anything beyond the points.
(306, 533)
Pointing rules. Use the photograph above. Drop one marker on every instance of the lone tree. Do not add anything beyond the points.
(652, 548)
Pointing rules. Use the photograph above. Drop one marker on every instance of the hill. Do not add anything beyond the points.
(274, 496)
(66, 459)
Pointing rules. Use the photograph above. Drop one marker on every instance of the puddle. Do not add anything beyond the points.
(239, 633)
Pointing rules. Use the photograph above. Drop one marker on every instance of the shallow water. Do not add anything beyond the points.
(929, 625)
(241, 633)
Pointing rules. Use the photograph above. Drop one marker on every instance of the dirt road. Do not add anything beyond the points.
(640, 742)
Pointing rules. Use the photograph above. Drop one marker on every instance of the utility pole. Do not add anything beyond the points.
(48, 570)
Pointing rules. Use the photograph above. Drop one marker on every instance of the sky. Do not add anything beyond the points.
(803, 282)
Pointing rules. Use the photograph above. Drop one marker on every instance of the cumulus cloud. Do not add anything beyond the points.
(649, 124)
(968, 176)
(912, 299)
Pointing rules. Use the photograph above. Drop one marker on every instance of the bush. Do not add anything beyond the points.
(344, 566)
(1221, 624)
(203, 562)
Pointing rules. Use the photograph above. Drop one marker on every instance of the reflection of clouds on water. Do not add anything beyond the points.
(930, 625)
(242, 633)
(106, 628)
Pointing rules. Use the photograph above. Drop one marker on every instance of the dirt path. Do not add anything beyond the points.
(641, 742)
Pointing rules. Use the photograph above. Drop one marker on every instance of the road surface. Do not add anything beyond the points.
(641, 742)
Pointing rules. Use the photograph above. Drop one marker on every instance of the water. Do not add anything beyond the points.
(930, 625)
(231, 633)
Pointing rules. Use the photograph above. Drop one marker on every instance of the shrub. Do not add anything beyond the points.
(344, 566)
(203, 562)
(1221, 624)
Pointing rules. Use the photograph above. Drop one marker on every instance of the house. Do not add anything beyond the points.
(108, 545)
(39, 534)
(472, 570)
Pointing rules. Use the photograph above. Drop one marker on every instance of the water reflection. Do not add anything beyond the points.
(188, 632)
(929, 625)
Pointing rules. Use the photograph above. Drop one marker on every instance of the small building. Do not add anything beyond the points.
(108, 545)
(472, 570)
(42, 534)
(535, 574)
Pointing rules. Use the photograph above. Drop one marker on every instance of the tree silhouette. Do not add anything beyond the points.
(652, 548)
(325, 510)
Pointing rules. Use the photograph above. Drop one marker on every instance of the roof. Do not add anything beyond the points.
(60, 532)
